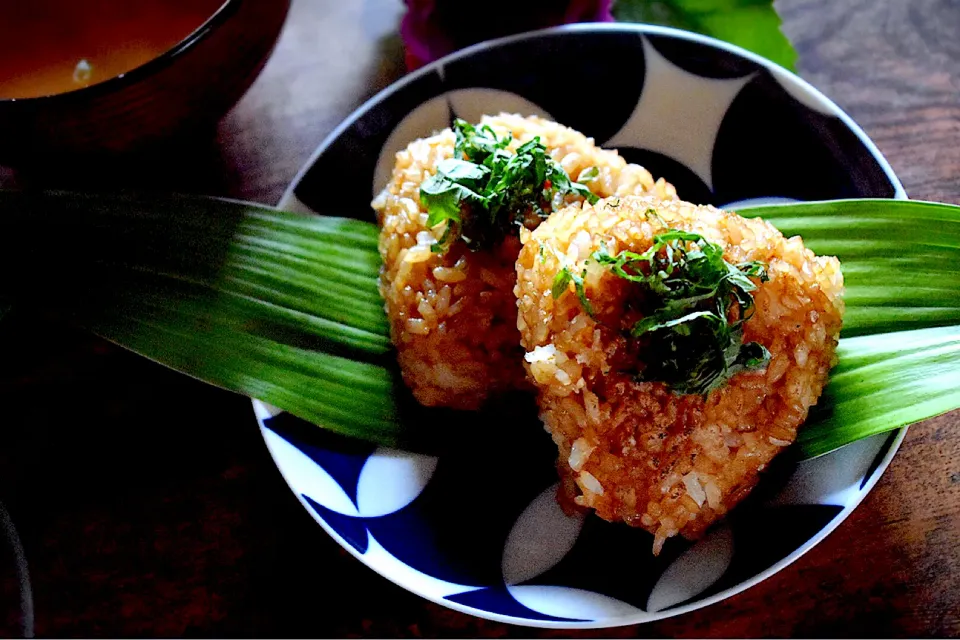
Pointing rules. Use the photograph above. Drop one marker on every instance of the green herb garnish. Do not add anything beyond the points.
(588, 175)
(694, 304)
(561, 283)
(486, 192)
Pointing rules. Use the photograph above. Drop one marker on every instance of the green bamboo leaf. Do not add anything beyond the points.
(276, 306)
(899, 262)
(884, 382)
(898, 258)
(751, 24)
(285, 307)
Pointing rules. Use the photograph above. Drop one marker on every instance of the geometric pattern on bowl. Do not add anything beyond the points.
(484, 535)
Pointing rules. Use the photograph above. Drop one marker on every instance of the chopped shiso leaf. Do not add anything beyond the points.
(562, 282)
(485, 192)
(588, 175)
(694, 304)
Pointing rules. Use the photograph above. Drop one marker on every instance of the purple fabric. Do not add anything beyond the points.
(433, 28)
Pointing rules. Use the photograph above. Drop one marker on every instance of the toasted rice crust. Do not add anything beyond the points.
(453, 316)
(635, 452)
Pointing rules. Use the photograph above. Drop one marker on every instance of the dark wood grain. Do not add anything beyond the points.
(895, 67)
(149, 506)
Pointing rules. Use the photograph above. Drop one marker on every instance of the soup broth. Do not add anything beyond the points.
(55, 46)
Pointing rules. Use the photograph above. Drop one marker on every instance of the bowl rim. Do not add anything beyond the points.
(146, 69)
(587, 27)
(289, 200)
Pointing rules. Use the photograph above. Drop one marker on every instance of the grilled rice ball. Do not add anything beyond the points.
(453, 314)
(635, 451)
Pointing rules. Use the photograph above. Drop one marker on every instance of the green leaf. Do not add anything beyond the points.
(276, 306)
(581, 290)
(686, 293)
(444, 198)
(476, 144)
(286, 308)
(461, 170)
(560, 282)
(751, 24)
(753, 355)
(500, 189)
(588, 175)
(884, 382)
(561, 183)
(899, 258)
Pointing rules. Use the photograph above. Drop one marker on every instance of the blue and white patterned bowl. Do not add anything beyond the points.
(479, 530)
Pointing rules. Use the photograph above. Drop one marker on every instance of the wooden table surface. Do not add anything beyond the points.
(148, 505)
